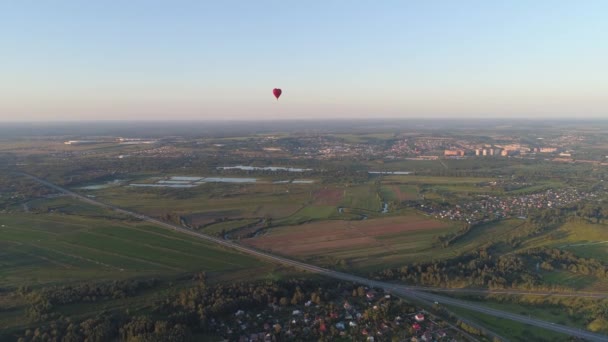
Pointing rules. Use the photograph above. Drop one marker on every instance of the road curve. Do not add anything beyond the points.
(411, 292)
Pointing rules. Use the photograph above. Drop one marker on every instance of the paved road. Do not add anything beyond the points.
(405, 291)
(475, 291)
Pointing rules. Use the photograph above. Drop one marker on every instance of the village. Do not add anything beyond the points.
(364, 315)
(491, 207)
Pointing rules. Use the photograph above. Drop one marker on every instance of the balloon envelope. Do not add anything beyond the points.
(276, 92)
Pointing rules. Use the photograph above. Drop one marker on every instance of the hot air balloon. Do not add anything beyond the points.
(276, 92)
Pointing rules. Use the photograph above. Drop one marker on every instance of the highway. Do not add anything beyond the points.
(411, 292)
(485, 292)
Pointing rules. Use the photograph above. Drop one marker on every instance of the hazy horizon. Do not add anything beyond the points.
(207, 61)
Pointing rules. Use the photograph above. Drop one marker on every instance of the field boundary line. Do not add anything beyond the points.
(123, 256)
(80, 257)
(160, 248)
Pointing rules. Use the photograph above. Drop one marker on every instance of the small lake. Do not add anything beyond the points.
(163, 185)
(295, 181)
(389, 172)
(267, 168)
(190, 182)
(102, 185)
(173, 182)
(185, 179)
(302, 181)
(228, 180)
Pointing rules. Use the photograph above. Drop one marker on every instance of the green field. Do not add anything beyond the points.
(307, 214)
(435, 180)
(588, 240)
(568, 279)
(398, 192)
(47, 248)
(243, 200)
(511, 330)
(488, 233)
(362, 197)
(66, 205)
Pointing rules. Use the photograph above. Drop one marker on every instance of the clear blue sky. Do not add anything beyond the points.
(220, 59)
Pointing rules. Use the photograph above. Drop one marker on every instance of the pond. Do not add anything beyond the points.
(267, 168)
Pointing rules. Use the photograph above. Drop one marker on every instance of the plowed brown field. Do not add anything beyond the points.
(333, 236)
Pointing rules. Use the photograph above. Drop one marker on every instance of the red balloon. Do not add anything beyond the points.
(276, 92)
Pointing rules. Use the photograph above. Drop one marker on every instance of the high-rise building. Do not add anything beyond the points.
(453, 153)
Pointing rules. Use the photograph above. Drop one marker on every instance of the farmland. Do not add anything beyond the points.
(382, 204)
(359, 244)
(39, 249)
(582, 237)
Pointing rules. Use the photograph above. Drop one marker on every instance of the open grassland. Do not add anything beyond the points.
(46, 248)
(488, 233)
(461, 188)
(328, 195)
(410, 165)
(514, 331)
(568, 279)
(65, 205)
(398, 192)
(361, 244)
(432, 180)
(208, 202)
(538, 187)
(308, 214)
(362, 197)
(585, 239)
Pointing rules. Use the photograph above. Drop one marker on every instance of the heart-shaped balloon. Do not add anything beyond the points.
(276, 92)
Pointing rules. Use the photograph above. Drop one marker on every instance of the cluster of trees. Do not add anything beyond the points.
(196, 306)
(15, 189)
(107, 327)
(596, 213)
(482, 269)
(479, 269)
(42, 302)
(556, 259)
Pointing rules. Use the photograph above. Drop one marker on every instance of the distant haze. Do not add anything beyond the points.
(220, 60)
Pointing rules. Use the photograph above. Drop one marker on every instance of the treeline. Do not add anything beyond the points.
(477, 269)
(594, 212)
(41, 303)
(556, 259)
(198, 306)
(482, 269)
(108, 327)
